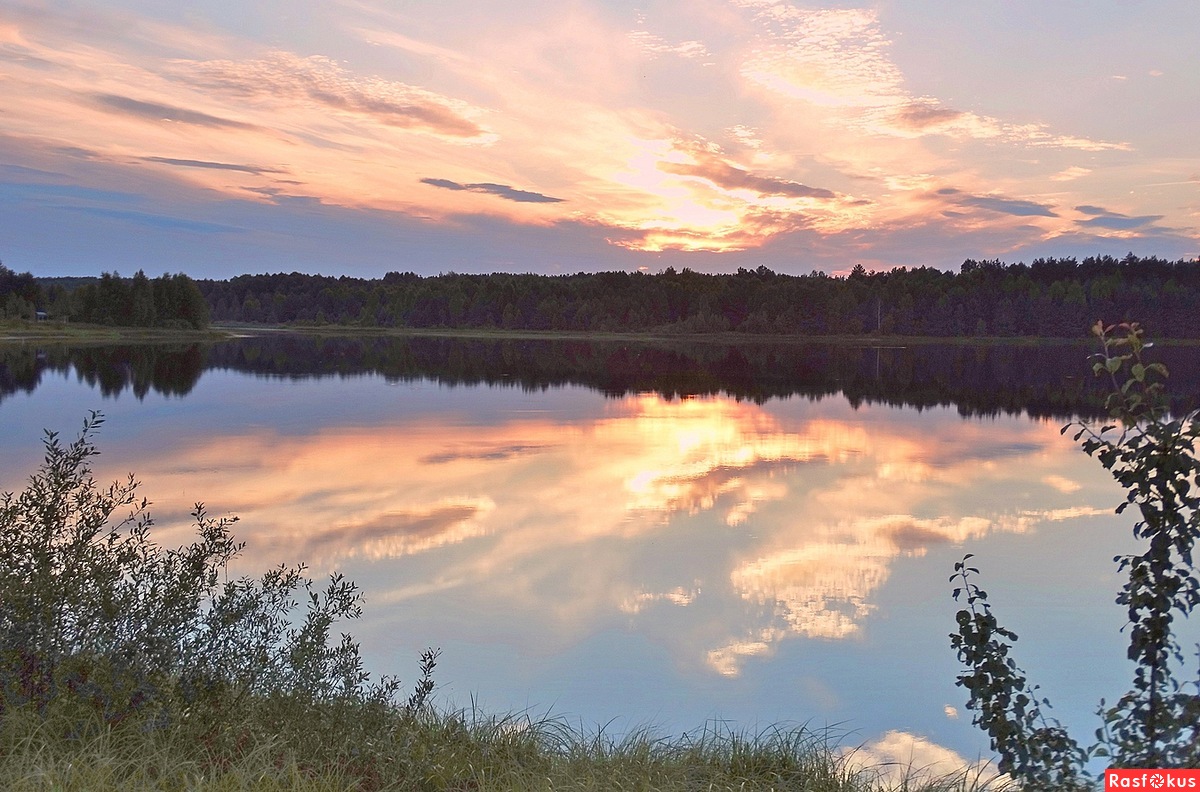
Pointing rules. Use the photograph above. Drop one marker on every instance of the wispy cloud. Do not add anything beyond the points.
(831, 57)
(840, 59)
(923, 115)
(191, 163)
(34, 173)
(154, 220)
(501, 190)
(1113, 221)
(157, 111)
(997, 203)
(928, 117)
(1071, 173)
(286, 77)
(69, 194)
(724, 174)
(654, 45)
(77, 152)
(380, 37)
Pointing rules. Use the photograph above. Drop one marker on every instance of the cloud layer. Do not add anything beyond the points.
(752, 128)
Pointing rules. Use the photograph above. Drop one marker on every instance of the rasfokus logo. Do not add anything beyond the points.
(1151, 779)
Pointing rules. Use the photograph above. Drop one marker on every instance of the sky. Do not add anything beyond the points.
(359, 137)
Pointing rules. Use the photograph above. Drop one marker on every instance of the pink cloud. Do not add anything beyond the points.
(285, 77)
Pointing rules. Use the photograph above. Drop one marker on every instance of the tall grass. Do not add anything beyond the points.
(282, 746)
(124, 666)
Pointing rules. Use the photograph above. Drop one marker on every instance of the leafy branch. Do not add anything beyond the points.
(1031, 746)
(1153, 456)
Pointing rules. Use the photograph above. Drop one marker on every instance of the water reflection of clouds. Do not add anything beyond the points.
(906, 761)
(482, 452)
(396, 534)
(821, 585)
(699, 452)
(762, 523)
(677, 596)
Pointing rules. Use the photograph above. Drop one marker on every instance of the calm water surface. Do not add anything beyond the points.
(630, 553)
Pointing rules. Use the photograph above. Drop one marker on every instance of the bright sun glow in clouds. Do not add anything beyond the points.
(732, 127)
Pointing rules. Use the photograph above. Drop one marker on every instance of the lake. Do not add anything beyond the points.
(665, 535)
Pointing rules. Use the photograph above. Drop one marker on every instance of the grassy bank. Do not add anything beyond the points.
(646, 336)
(54, 331)
(650, 336)
(660, 338)
(15, 330)
(284, 744)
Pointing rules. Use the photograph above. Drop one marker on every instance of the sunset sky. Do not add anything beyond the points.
(360, 136)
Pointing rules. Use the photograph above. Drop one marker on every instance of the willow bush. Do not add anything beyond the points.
(93, 611)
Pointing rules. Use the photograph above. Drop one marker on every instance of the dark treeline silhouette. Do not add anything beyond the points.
(1045, 381)
(1048, 298)
(20, 294)
(171, 301)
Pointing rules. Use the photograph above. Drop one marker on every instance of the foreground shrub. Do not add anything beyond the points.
(93, 610)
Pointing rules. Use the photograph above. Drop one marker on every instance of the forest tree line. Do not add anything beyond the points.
(171, 301)
(1052, 297)
(1049, 298)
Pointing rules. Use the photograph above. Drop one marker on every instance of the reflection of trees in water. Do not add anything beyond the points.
(1050, 381)
(169, 369)
(20, 371)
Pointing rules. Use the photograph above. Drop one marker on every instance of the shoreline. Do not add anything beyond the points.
(86, 333)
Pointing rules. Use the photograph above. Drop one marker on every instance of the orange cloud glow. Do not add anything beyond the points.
(564, 123)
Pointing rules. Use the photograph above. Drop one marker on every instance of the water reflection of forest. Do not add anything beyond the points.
(1051, 381)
